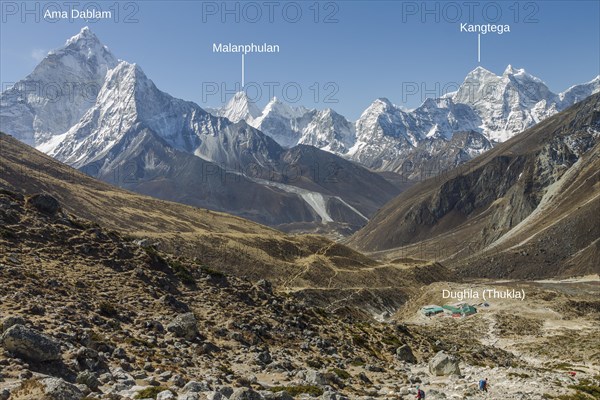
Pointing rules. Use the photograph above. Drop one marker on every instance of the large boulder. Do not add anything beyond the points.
(246, 394)
(404, 353)
(165, 395)
(88, 379)
(443, 364)
(184, 326)
(44, 203)
(313, 377)
(29, 344)
(47, 389)
(11, 321)
(195, 387)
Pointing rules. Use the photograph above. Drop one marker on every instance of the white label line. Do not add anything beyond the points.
(243, 70)
(478, 47)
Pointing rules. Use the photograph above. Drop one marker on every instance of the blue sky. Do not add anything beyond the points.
(368, 49)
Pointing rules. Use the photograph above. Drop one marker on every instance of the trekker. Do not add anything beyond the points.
(420, 393)
(483, 385)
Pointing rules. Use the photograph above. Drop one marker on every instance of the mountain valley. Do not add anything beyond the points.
(153, 249)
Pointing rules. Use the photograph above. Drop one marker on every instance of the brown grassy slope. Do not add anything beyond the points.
(30, 171)
(216, 240)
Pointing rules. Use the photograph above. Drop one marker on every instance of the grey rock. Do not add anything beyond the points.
(58, 389)
(184, 326)
(83, 389)
(151, 381)
(11, 321)
(195, 387)
(165, 376)
(245, 394)
(29, 344)
(165, 395)
(315, 377)
(443, 364)
(404, 353)
(363, 377)
(374, 368)
(88, 379)
(226, 391)
(120, 353)
(279, 396)
(331, 396)
(264, 358)
(177, 380)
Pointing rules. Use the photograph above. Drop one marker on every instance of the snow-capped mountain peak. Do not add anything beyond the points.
(130, 101)
(521, 76)
(240, 107)
(510, 70)
(479, 73)
(506, 104)
(328, 130)
(381, 103)
(128, 78)
(383, 119)
(85, 35)
(280, 121)
(577, 93)
(283, 109)
(85, 46)
(74, 73)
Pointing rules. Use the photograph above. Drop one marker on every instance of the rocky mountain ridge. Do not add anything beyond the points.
(496, 215)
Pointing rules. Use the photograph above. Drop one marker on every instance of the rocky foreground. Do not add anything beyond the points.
(88, 313)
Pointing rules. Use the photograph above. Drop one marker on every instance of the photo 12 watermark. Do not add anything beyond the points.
(469, 12)
(38, 92)
(291, 92)
(253, 12)
(469, 91)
